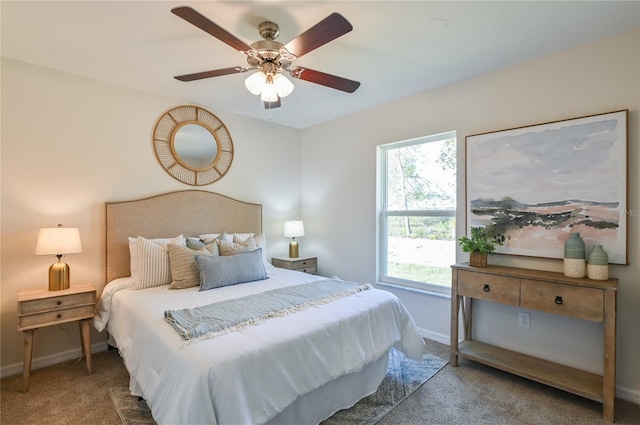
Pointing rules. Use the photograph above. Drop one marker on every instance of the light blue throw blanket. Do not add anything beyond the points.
(238, 313)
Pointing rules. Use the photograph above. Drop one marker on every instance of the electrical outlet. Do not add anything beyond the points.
(524, 320)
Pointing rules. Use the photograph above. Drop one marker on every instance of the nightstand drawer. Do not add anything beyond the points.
(310, 270)
(502, 289)
(54, 317)
(304, 264)
(567, 300)
(56, 303)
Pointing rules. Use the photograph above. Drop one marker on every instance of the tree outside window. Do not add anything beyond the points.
(417, 187)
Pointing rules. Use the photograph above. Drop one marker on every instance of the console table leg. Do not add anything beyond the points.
(609, 378)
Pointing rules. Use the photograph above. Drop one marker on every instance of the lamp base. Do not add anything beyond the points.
(58, 276)
(293, 249)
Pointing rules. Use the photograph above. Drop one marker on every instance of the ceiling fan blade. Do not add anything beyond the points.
(321, 78)
(330, 28)
(272, 105)
(209, 74)
(194, 17)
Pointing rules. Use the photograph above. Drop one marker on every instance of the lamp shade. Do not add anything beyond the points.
(269, 93)
(255, 82)
(284, 87)
(293, 229)
(58, 241)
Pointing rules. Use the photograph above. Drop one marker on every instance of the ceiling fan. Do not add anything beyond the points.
(272, 58)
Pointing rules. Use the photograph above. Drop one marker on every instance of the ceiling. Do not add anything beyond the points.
(396, 48)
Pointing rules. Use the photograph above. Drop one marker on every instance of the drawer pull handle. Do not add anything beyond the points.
(486, 288)
(304, 263)
(59, 316)
(59, 302)
(559, 300)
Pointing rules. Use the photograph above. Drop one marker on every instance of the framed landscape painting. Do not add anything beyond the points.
(532, 186)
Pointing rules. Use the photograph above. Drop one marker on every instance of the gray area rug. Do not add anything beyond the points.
(404, 376)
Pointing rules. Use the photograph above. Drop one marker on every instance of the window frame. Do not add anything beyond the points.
(383, 214)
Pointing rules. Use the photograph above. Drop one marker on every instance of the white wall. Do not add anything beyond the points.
(70, 144)
(339, 190)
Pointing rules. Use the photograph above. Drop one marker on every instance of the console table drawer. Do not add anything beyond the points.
(502, 289)
(567, 300)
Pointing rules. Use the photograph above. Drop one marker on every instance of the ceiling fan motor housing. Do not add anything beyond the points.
(269, 30)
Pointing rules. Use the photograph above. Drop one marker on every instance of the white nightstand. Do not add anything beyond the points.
(301, 264)
(38, 308)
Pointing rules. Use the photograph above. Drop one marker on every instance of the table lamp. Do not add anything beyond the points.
(58, 241)
(293, 229)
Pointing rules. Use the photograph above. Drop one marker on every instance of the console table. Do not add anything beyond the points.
(550, 292)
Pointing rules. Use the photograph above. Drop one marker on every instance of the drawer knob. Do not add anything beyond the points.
(59, 302)
(304, 263)
(59, 316)
(486, 288)
(558, 300)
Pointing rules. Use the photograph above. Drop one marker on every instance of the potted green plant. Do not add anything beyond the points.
(479, 246)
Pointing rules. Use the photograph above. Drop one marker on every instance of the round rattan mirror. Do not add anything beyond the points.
(193, 145)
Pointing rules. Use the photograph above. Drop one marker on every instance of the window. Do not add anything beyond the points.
(417, 212)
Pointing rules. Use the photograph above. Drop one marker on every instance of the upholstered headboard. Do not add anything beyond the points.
(188, 212)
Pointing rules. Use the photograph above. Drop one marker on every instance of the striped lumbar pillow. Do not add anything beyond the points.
(153, 263)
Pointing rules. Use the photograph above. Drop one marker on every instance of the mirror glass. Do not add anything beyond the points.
(195, 146)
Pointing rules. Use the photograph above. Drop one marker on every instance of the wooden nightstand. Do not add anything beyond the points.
(39, 308)
(301, 264)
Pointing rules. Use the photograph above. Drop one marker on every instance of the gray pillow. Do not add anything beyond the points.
(219, 271)
(195, 243)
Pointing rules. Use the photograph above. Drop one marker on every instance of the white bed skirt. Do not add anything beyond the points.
(342, 393)
(320, 404)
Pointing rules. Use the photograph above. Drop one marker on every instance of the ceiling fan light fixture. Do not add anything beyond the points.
(255, 82)
(269, 93)
(284, 87)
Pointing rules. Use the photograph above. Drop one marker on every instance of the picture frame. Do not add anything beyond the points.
(531, 186)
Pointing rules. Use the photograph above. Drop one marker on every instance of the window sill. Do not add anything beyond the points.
(422, 291)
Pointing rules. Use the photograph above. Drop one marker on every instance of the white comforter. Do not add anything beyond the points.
(248, 376)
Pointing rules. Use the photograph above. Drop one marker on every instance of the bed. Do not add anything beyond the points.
(297, 367)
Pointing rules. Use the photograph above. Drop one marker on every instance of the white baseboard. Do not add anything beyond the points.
(40, 362)
(628, 394)
(433, 336)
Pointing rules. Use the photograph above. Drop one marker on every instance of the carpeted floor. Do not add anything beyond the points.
(471, 394)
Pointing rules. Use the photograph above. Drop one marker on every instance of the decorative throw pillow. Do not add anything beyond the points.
(153, 263)
(210, 237)
(133, 253)
(216, 272)
(231, 248)
(195, 243)
(241, 237)
(260, 240)
(184, 271)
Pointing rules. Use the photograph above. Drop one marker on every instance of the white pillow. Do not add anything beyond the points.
(153, 262)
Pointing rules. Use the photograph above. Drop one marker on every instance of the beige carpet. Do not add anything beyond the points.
(471, 394)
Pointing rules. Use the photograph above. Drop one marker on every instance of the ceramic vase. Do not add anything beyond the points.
(597, 264)
(574, 256)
